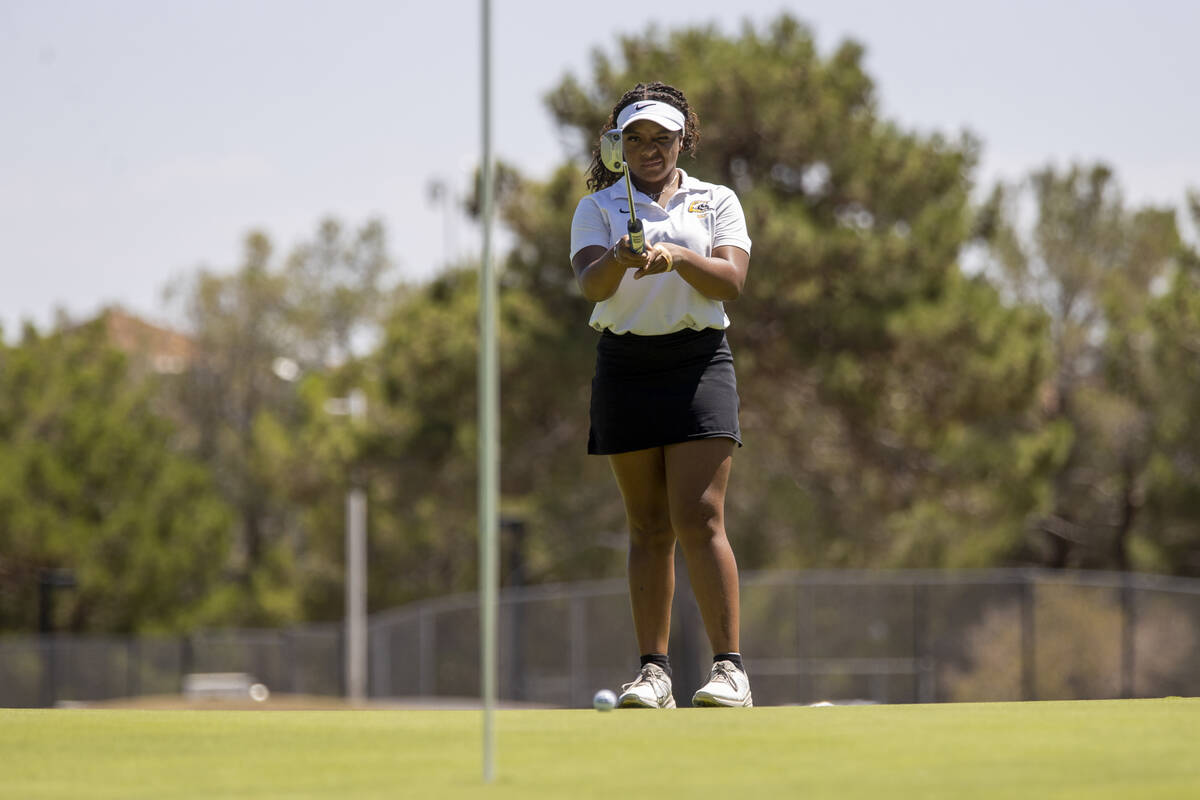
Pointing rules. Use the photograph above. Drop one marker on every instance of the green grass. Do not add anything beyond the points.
(1116, 749)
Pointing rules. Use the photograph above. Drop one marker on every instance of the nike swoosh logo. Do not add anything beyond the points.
(640, 106)
(623, 210)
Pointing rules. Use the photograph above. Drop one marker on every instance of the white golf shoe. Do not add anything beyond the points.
(727, 686)
(650, 689)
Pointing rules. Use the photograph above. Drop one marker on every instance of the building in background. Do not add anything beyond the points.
(159, 349)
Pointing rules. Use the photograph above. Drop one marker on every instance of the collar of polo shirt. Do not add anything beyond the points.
(686, 184)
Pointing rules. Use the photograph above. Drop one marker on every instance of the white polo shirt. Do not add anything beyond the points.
(700, 216)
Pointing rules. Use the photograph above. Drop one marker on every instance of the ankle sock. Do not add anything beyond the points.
(736, 658)
(660, 659)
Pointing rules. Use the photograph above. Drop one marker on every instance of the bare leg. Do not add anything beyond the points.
(697, 477)
(641, 476)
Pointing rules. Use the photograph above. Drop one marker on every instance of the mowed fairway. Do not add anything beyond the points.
(1117, 749)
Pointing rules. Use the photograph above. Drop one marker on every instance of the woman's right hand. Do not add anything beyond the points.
(600, 270)
(623, 254)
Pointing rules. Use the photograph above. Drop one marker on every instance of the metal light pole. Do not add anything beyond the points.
(355, 406)
(489, 419)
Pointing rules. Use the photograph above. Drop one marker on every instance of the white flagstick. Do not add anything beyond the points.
(489, 404)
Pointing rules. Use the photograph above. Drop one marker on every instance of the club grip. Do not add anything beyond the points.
(637, 236)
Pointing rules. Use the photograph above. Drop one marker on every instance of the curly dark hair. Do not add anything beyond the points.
(598, 175)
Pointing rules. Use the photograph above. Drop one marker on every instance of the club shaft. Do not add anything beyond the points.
(637, 238)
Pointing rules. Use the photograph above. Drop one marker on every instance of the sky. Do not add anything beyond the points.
(141, 140)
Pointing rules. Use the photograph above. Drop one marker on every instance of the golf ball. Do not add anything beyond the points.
(604, 700)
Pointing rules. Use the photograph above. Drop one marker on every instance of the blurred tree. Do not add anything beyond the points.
(335, 292)
(231, 403)
(251, 403)
(92, 481)
(422, 455)
(1092, 266)
(1169, 536)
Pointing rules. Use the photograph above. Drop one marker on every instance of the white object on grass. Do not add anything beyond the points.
(604, 700)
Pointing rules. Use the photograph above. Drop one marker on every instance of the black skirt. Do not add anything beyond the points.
(651, 391)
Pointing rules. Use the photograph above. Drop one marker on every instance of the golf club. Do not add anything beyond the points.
(612, 155)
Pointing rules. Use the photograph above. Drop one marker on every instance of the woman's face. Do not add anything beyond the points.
(651, 150)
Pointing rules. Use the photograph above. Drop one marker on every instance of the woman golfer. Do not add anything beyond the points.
(664, 398)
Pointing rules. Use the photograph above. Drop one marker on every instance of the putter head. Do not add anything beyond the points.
(612, 152)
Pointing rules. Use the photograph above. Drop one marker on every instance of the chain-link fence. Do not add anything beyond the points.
(897, 636)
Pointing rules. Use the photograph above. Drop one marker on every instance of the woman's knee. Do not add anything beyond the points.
(698, 524)
(650, 528)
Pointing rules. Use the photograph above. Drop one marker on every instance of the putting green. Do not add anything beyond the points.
(1118, 749)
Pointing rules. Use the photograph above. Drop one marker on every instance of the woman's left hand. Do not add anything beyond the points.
(662, 259)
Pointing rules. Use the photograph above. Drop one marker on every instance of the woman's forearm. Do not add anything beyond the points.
(599, 279)
(715, 277)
